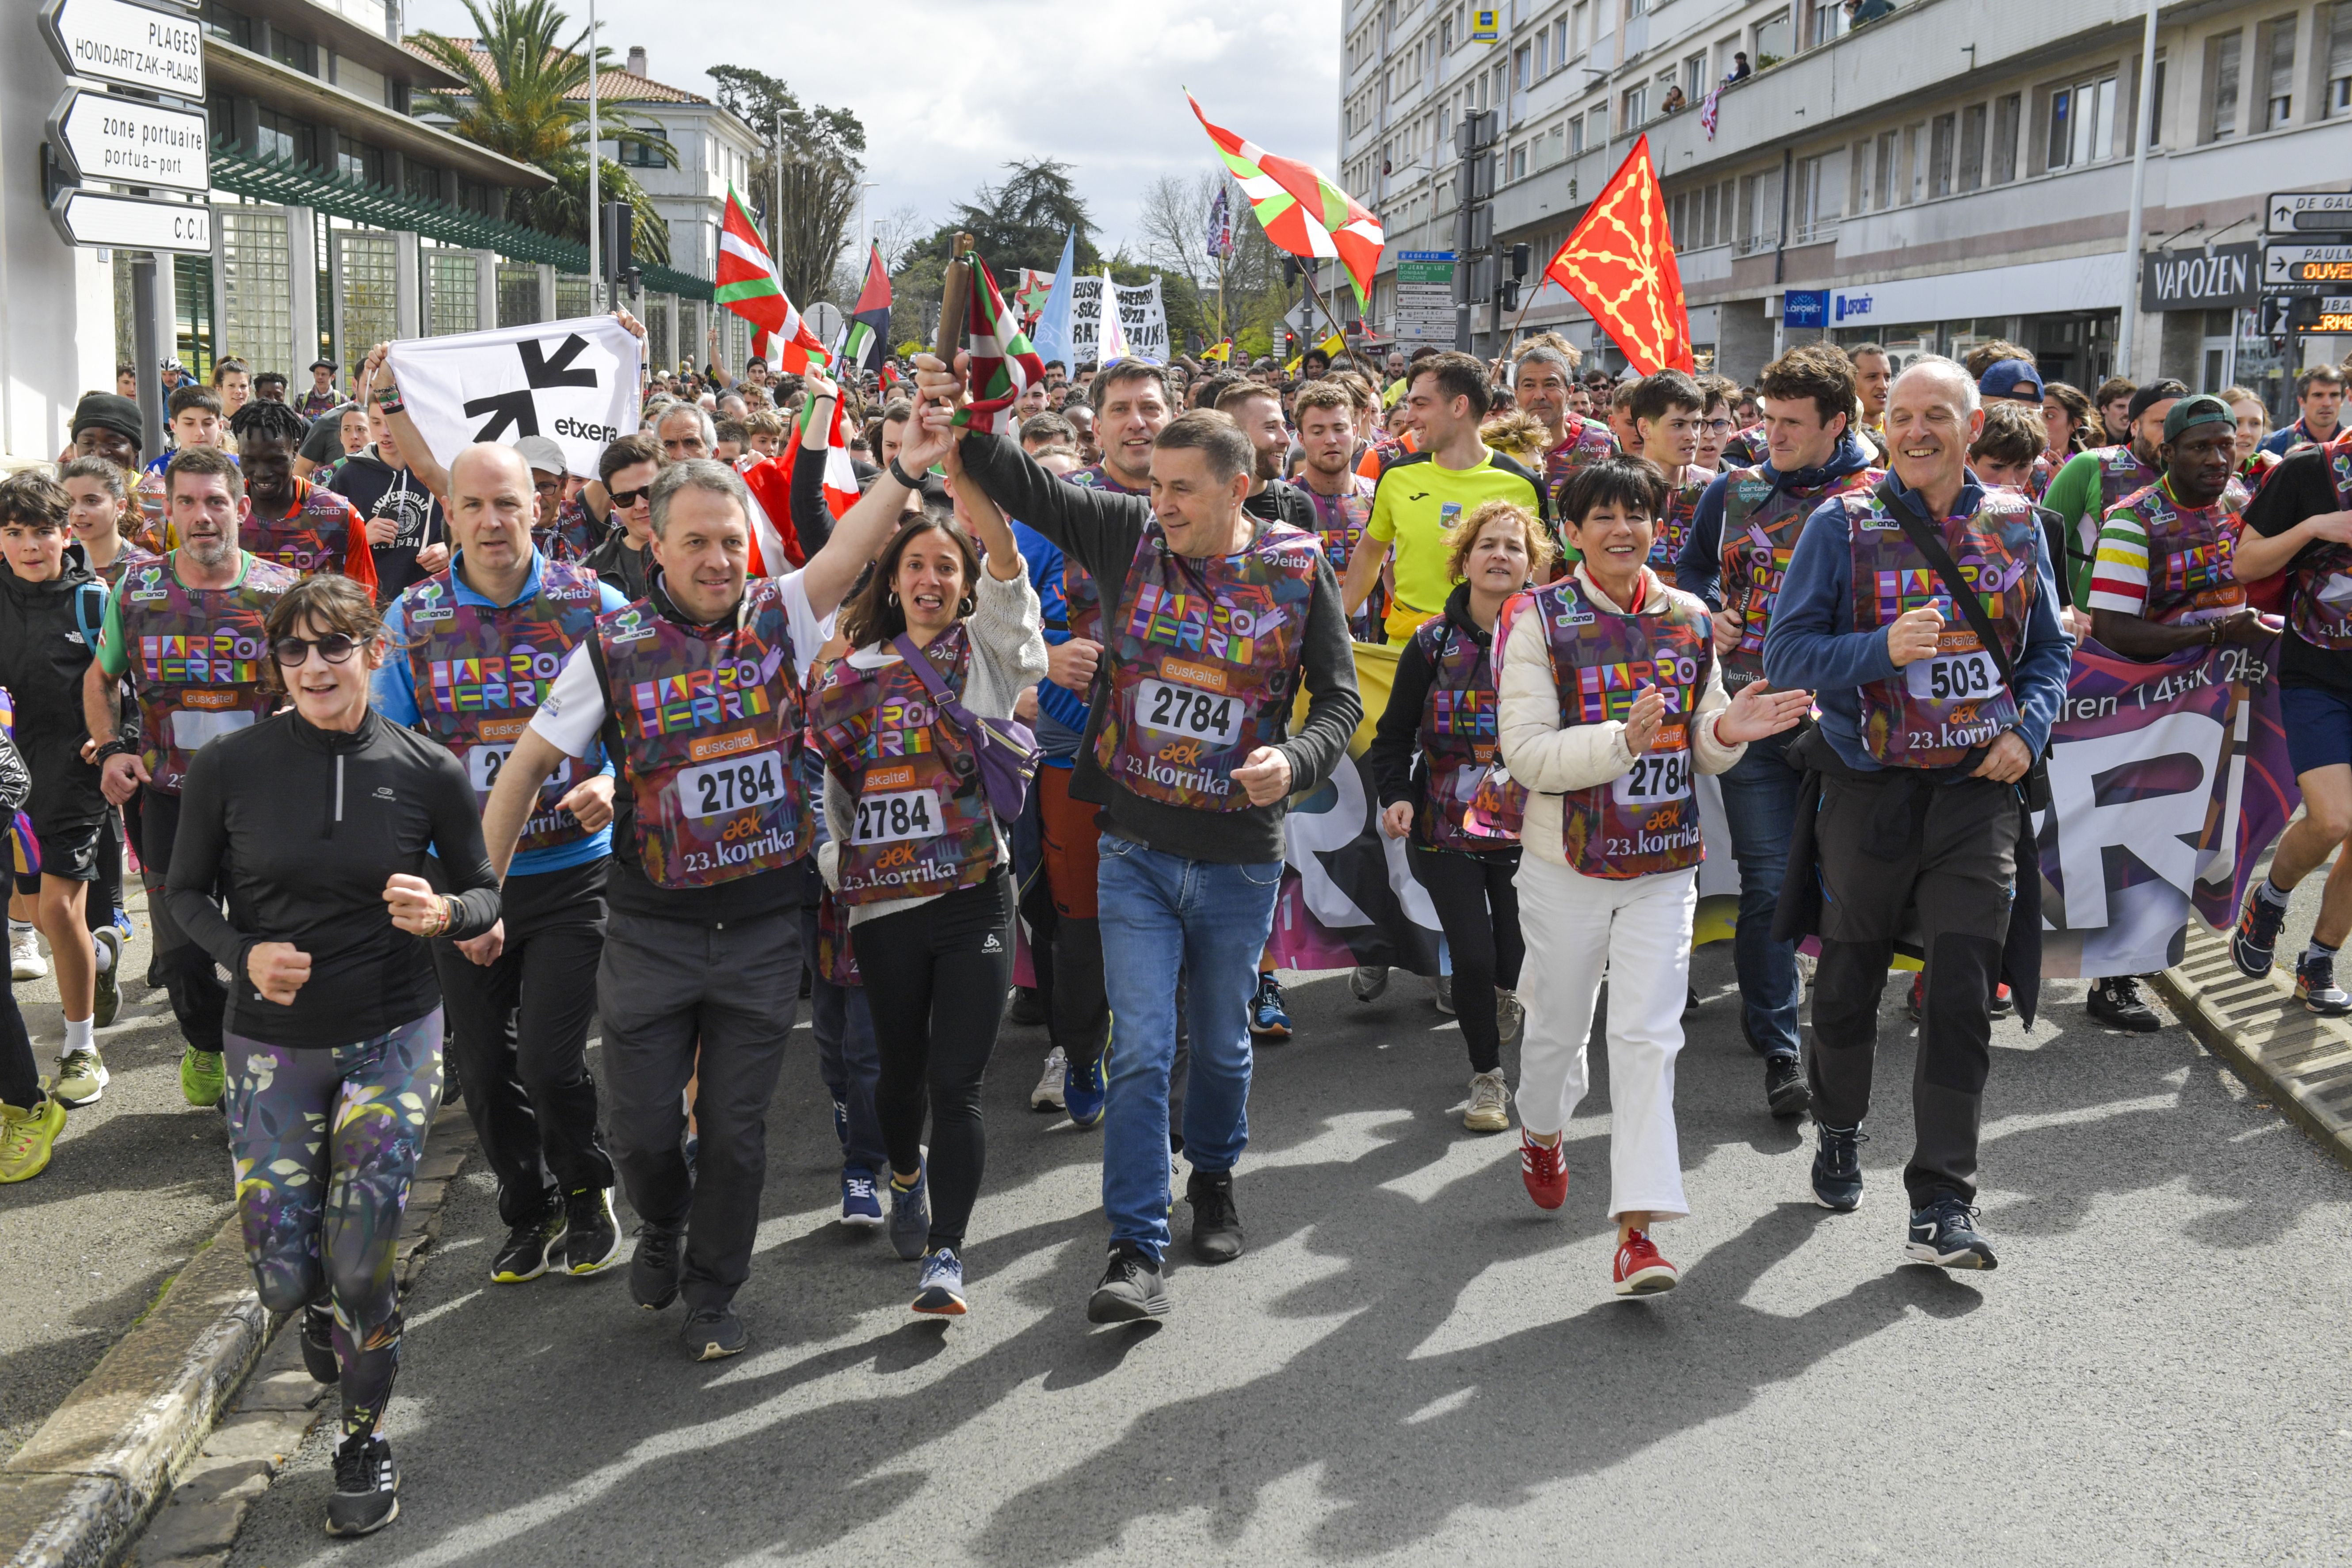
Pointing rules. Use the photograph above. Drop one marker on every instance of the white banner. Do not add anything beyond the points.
(574, 382)
(1145, 318)
(1085, 319)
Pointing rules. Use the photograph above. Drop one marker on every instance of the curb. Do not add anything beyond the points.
(2302, 1061)
(83, 1488)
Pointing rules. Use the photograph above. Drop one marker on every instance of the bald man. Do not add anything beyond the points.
(1926, 744)
(474, 647)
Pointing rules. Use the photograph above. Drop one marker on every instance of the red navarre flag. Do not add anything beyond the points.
(1619, 264)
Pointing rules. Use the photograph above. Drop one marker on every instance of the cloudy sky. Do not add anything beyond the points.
(951, 90)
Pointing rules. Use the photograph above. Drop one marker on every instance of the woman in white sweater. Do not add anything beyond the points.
(1610, 698)
(919, 861)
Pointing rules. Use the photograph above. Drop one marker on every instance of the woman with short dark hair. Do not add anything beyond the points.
(317, 820)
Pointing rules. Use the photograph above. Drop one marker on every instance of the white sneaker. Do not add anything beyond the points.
(1510, 1015)
(1368, 981)
(25, 960)
(1490, 1102)
(1047, 1095)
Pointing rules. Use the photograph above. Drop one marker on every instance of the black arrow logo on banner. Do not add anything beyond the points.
(519, 410)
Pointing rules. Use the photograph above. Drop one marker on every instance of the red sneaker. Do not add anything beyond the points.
(1544, 1172)
(1640, 1270)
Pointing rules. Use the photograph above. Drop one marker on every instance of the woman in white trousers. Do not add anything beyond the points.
(1612, 698)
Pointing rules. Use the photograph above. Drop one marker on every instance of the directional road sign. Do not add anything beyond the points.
(123, 141)
(128, 223)
(161, 50)
(2323, 315)
(2304, 266)
(2308, 212)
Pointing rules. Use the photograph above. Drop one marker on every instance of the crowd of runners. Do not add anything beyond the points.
(433, 765)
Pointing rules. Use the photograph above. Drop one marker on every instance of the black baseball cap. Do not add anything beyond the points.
(2154, 392)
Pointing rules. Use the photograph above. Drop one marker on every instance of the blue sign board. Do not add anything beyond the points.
(1805, 308)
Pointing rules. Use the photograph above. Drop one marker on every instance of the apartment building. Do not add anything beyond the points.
(1954, 170)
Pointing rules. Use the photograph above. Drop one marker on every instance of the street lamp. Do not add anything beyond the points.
(864, 187)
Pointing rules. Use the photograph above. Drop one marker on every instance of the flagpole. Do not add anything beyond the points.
(1308, 273)
(595, 218)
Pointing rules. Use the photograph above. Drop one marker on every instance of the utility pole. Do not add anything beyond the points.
(2144, 131)
(1473, 229)
(776, 210)
(596, 211)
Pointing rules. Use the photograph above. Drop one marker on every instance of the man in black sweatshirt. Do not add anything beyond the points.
(1215, 618)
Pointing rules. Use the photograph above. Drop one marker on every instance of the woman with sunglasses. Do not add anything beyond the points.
(317, 820)
(916, 854)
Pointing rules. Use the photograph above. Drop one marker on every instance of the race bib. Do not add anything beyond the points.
(1954, 677)
(191, 727)
(739, 783)
(483, 763)
(899, 815)
(1186, 711)
(1656, 778)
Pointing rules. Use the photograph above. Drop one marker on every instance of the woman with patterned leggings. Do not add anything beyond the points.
(315, 822)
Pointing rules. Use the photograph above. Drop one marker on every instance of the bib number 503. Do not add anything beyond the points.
(1954, 678)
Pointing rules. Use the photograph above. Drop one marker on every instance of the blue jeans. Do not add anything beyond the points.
(847, 1059)
(1759, 801)
(1164, 917)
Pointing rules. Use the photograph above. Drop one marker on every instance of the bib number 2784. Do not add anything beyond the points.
(1660, 776)
(1173, 710)
(739, 783)
(898, 815)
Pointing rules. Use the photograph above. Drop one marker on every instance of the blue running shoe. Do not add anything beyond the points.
(1083, 1091)
(910, 1217)
(1268, 1018)
(2255, 940)
(1945, 1234)
(123, 924)
(861, 1206)
(1837, 1166)
(940, 1294)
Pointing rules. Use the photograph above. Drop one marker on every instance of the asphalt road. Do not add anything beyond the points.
(1413, 1364)
(137, 1182)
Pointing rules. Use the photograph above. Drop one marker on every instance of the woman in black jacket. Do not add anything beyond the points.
(1430, 756)
(50, 604)
(317, 820)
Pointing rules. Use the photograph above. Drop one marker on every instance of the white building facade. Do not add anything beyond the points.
(1955, 171)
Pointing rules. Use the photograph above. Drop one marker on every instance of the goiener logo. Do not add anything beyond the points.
(429, 606)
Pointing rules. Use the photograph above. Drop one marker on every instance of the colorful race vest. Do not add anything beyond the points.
(1647, 821)
(315, 534)
(1339, 523)
(2037, 483)
(2190, 580)
(1457, 738)
(920, 825)
(1761, 524)
(1673, 530)
(1936, 711)
(1205, 663)
(2320, 603)
(1081, 593)
(2121, 473)
(480, 671)
(1583, 443)
(572, 535)
(195, 659)
(711, 735)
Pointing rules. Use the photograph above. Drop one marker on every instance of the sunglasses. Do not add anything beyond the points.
(293, 652)
(625, 500)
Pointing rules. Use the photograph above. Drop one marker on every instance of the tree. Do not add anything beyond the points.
(518, 102)
(817, 150)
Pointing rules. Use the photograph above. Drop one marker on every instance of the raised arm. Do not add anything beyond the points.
(375, 375)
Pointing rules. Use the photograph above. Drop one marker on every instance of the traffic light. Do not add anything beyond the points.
(1508, 294)
(617, 223)
(1522, 257)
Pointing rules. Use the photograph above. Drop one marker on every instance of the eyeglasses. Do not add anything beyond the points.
(293, 652)
(625, 500)
(1715, 425)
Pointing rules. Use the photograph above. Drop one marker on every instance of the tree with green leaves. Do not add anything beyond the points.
(818, 151)
(517, 101)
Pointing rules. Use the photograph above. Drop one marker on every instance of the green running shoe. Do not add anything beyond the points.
(82, 1077)
(203, 1074)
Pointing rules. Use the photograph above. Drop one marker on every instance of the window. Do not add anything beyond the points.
(1575, 134)
(1482, 90)
(358, 161)
(1759, 204)
(2221, 71)
(1695, 76)
(229, 26)
(1774, 38)
(2156, 108)
(1707, 231)
(1579, 34)
(1883, 172)
(1519, 162)
(298, 54)
(1972, 146)
(2081, 122)
(1519, 60)
(2339, 59)
(1637, 102)
(1445, 37)
(1826, 15)
(1560, 41)
(1815, 203)
(2007, 113)
(423, 181)
(2279, 92)
(1543, 56)
(282, 137)
(1941, 152)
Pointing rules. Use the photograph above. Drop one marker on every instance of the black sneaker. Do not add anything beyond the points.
(1785, 1089)
(1028, 1009)
(319, 1343)
(529, 1246)
(1837, 1166)
(2116, 1002)
(1132, 1289)
(2254, 941)
(367, 1488)
(714, 1333)
(1216, 1224)
(1690, 1000)
(1945, 1234)
(2315, 987)
(654, 1271)
(592, 1237)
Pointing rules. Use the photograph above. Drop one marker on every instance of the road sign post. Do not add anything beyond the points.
(130, 223)
(123, 141)
(153, 48)
(2294, 266)
(2308, 212)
